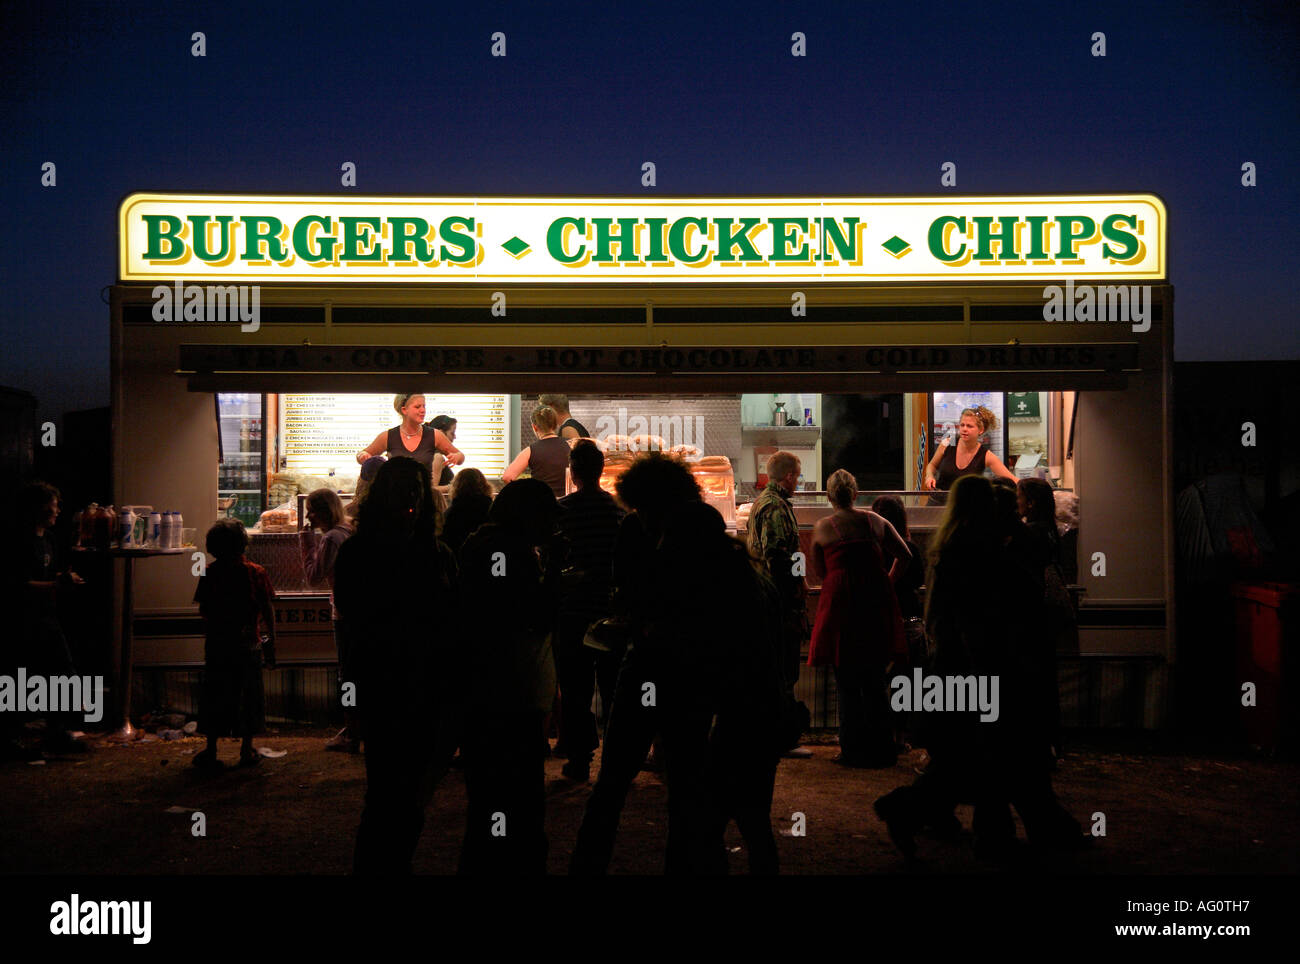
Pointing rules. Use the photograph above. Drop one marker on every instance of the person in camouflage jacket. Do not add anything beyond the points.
(774, 540)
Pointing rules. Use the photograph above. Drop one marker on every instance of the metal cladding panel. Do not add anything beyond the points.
(612, 414)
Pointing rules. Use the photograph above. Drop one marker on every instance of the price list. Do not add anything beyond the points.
(321, 433)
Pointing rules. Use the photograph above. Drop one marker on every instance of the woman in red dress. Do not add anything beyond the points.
(858, 629)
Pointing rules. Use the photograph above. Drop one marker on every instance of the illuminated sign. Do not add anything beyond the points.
(629, 240)
(321, 434)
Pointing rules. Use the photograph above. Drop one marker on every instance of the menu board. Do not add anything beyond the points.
(321, 434)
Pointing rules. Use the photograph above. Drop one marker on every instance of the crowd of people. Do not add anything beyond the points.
(462, 630)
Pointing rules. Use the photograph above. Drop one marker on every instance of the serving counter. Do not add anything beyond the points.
(923, 518)
(279, 554)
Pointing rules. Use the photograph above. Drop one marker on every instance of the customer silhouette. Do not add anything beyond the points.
(508, 580)
(730, 660)
(589, 520)
(649, 697)
(395, 587)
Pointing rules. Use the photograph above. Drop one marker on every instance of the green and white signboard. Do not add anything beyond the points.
(255, 238)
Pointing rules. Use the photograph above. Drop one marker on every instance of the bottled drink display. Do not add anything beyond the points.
(239, 475)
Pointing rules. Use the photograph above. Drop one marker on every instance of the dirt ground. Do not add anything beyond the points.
(107, 812)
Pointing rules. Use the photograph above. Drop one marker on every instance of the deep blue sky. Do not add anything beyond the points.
(587, 92)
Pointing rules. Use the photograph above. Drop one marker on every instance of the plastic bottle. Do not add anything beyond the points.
(125, 527)
(178, 521)
(154, 540)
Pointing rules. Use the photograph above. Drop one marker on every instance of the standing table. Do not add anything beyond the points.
(126, 732)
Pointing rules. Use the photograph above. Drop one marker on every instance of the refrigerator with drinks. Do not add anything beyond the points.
(241, 472)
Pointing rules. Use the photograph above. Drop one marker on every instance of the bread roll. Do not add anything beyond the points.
(647, 443)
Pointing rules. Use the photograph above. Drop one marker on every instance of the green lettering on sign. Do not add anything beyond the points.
(625, 238)
(262, 231)
(162, 234)
(787, 232)
(555, 239)
(730, 238)
(356, 238)
(677, 240)
(844, 241)
(453, 230)
(938, 230)
(302, 240)
(200, 225)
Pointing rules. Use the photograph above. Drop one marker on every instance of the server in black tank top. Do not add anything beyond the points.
(423, 453)
(577, 426)
(412, 439)
(547, 458)
(565, 420)
(950, 473)
(947, 462)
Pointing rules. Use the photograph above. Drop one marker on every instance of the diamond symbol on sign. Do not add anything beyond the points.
(517, 248)
(897, 246)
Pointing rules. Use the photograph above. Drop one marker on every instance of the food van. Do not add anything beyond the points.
(257, 342)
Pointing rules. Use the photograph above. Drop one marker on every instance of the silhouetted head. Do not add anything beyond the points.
(227, 539)
(527, 508)
(1037, 501)
(891, 508)
(586, 462)
(399, 504)
(654, 485)
(470, 481)
(38, 505)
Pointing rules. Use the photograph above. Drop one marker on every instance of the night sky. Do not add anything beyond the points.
(710, 93)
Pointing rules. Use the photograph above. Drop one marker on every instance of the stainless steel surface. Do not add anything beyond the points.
(602, 416)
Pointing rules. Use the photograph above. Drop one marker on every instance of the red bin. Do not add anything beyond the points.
(1266, 651)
